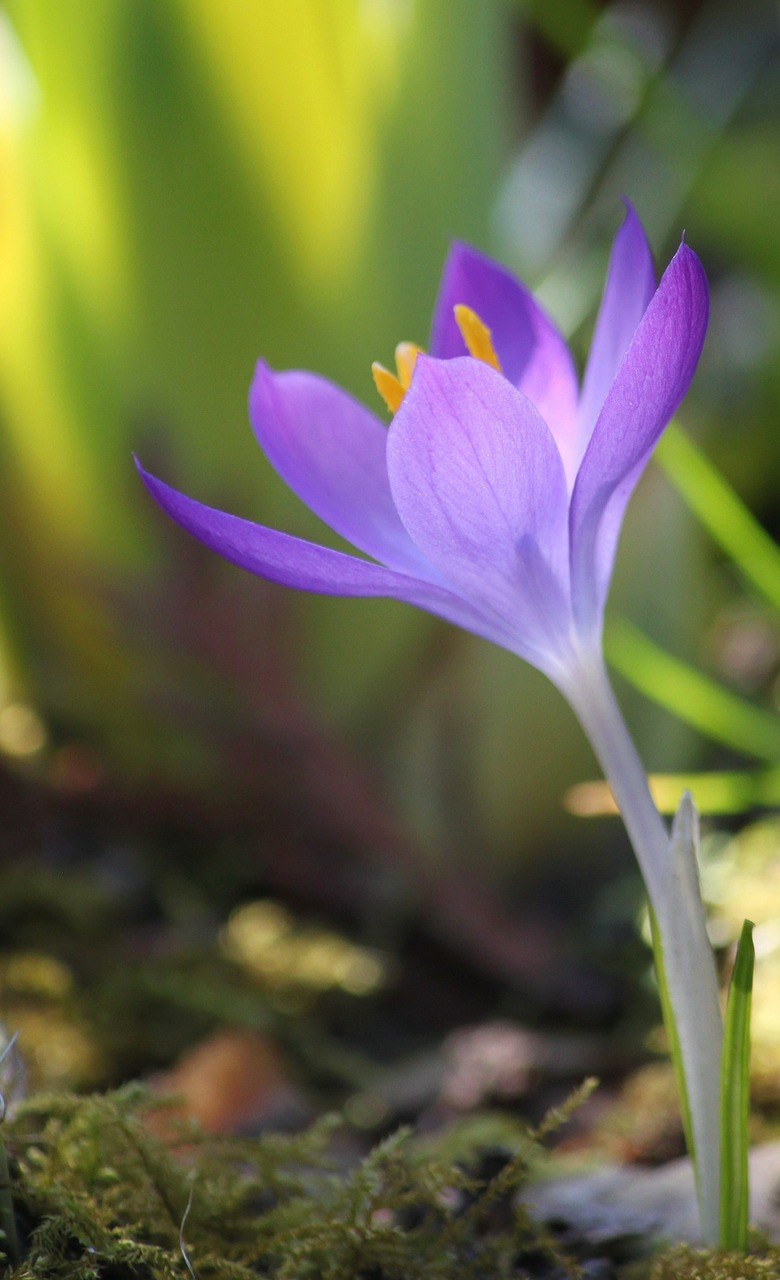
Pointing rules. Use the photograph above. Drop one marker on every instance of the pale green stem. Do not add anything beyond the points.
(673, 893)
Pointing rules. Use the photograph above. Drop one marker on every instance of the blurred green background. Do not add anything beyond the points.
(186, 185)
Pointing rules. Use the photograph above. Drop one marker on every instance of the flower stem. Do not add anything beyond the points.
(672, 885)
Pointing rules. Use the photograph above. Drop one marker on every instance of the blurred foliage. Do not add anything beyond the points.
(187, 187)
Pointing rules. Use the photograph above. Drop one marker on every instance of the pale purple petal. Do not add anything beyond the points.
(652, 380)
(532, 353)
(332, 453)
(292, 562)
(479, 484)
(629, 288)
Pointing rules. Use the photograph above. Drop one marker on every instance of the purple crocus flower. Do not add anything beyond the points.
(495, 501)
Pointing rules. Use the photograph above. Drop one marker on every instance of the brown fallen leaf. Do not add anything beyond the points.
(233, 1081)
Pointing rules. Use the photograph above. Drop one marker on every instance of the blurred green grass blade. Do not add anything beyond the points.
(166, 217)
(718, 792)
(721, 512)
(729, 791)
(692, 697)
(672, 1037)
(735, 1099)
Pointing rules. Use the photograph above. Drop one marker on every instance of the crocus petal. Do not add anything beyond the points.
(533, 354)
(629, 288)
(651, 381)
(332, 453)
(479, 484)
(293, 562)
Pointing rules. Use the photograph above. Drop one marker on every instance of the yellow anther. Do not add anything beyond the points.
(406, 354)
(477, 336)
(388, 386)
(393, 387)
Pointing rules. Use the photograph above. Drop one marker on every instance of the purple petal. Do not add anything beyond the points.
(629, 288)
(278, 557)
(652, 380)
(479, 484)
(332, 453)
(533, 354)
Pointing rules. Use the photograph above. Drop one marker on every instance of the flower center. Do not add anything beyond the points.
(392, 387)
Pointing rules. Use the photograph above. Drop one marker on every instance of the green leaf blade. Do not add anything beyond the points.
(721, 512)
(735, 1099)
(692, 697)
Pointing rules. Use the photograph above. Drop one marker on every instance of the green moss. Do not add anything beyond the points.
(110, 1187)
(683, 1263)
(99, 1194)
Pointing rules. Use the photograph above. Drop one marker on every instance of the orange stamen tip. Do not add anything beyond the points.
(388, 386)
(406, 354)
(477, 336)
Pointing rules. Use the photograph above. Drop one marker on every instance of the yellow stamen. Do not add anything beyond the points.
(406, 354)
(477, 336)
(389, 387)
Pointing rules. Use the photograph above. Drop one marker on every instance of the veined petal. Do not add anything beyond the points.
(630, 286)
(332, 453)
(651, 382)
(479, 484)
(532, 353)
(293, 562)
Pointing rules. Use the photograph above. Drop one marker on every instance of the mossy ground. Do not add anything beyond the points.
(683, 1263)
(104, 987)
(100, 1193)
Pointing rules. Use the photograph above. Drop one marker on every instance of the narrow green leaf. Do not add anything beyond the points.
(722, 513)
(692, 697)
(735, 1098)
(724, 791)
(670, 1026)
(719, 792)
(689, 1001)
